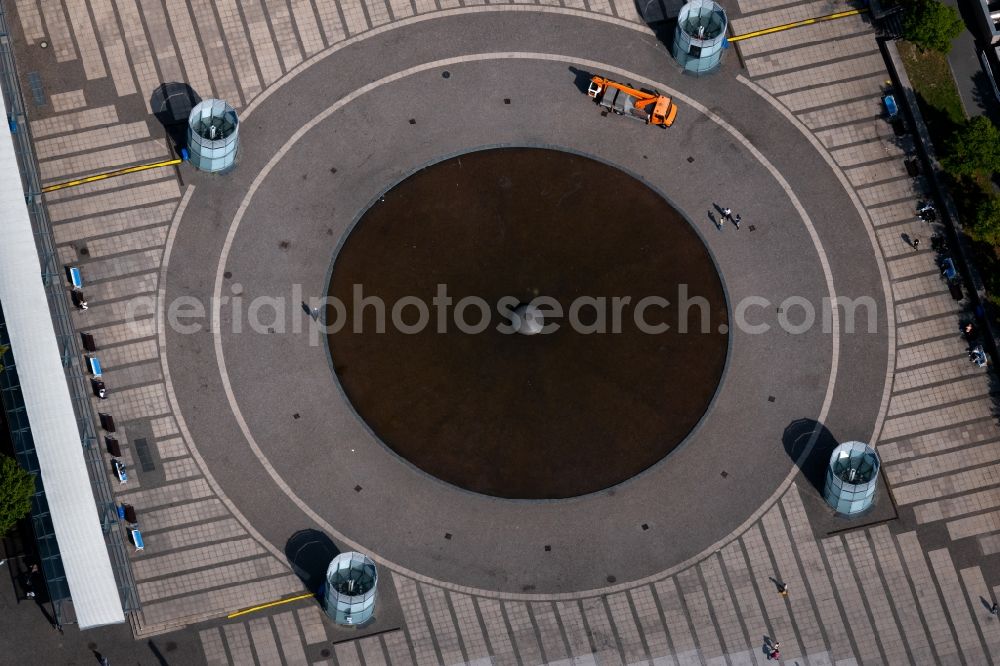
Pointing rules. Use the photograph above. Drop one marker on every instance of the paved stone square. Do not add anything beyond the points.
(679, 566)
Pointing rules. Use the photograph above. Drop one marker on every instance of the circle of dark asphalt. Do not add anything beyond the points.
(729, 466)
(587, 404)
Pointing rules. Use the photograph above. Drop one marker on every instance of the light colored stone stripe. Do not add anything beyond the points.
(118, 184)
(399, 652)
(651, 625)
(904, 188)
(936, 396)
(416, 621)
(911, 264)
(698, 613)
(816, 575)
(401, 8)
(171, 448)
(851, 598)
(848, 112)
(90, 139)
(184, 514)
(943, 641)
(576, 632)
(684, 643)
(329, 19)
(180, 469)
(775, 607)
(135, 197)
(824, 74)
(817, 54)
(105, 313)
(213, 647)
(144, 239)
(113, 223)
(726, 617)
(235, 40)
(600, 6)
(263, 44)
(835, 31)
(443, 626)
(194, 558)
(957, 506)
(925, 308)
(847, 134)
(834, 93)
(424, 6)
(239, 643)
(951, 484)
(118, 333)
(624, 624)
(354, 15)
(115, 267)
(68, 123)
(194, 535)
(927, 351)
(102, 160)
(83, 30)
(468, 625)
(31, 21)
(263, 641)
(311, 622)
(893, 213)
(927, 330)
(785, 14)
(744, 593)
(946, 416)
(788, 571)
(601, 634)
(974, 525)
(161, 40)
(958, 609)
(284, 33)
(451, 4)
(548, 629)
(66, 101)
(127, 287)
(308, 26)
(137, 352)
(213, 603)
(918, 287)
(347, 654)
(899, 593)
(138, 49)
(933, 466)
(164, 427)
(873, 173)
(171, 494)
(379, 14)
(190, 51)
(938, 372)
(216, 53)
(114, 47)
(58, 30)
(371, 651)
(889, 637)
(869, 151)
(288, 638)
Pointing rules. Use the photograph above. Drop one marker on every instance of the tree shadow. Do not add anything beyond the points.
(809, 444)
(310, 553)
(171, 103)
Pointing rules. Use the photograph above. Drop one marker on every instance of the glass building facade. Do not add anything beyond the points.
(349, 596)
(852, 477)
(700, 36)
(213, 135)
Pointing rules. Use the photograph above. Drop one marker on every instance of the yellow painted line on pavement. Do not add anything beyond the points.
(798, 24)
(269, 605)
(110, 174)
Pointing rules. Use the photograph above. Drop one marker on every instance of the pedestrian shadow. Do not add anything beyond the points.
(309, 553)
(171, 103)
(809, 444)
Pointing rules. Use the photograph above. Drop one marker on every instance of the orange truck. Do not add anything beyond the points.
(648, 106)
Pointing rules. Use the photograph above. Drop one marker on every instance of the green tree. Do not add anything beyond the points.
(975, 150)
(931, 25)
(3, 350)
(16, 488)
(986, 226)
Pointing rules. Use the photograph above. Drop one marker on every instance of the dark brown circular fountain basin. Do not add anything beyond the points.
(557, 413)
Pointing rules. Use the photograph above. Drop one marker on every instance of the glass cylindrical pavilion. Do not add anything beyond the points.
(700, 36)
(213, 135)
(350, 589)
(852, 477)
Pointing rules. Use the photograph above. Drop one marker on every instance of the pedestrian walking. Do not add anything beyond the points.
(783, 591)
(916, 243)
(995, 608)
(737, 220)
(727, 213)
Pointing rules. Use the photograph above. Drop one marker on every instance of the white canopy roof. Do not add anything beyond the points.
(49, 408)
